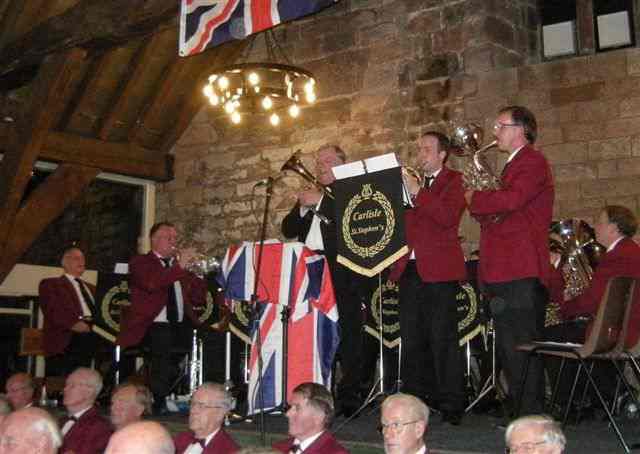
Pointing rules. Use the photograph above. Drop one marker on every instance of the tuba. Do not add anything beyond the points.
(294, 163)
(477, 174)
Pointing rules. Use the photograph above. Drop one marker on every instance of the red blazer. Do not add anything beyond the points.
(222, 443)
(61, 308)
(432, 230)
(623, 260)
(324, 444)
(149, 281)
(89, 435)
(517, 246)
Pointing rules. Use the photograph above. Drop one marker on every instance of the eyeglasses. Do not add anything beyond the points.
(498, 126)
(523, 448)
(395, 427)
(195, 405)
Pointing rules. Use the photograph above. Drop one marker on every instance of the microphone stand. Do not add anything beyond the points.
(254, 301)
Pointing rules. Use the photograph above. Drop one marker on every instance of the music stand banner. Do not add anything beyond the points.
(370, 221)
(112, 295)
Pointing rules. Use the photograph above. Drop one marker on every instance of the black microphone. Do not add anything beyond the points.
(266, 181)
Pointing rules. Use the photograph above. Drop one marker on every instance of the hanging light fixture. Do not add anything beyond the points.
(271, 88)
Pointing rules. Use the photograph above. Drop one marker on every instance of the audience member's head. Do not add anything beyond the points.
(20, 390)
(81, 389)
(73, 261)
(129, 402)
(30, 431)
(209, 406)
(5, 408)
(535, 434)
(143, 437)
(403, 422)
(311, 410)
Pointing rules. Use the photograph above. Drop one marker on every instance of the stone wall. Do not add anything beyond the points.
(390, 70)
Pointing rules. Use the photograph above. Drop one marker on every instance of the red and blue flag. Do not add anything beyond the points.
(207, 23)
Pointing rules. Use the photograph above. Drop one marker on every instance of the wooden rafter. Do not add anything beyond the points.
(44, 205)
(122, 158)
(50, 92)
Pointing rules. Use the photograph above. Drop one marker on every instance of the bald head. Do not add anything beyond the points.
(30, 431)
(147, 437)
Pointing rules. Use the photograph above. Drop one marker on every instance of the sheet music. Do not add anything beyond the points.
(369, 165)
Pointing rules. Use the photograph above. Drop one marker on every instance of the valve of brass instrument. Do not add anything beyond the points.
(413, 180)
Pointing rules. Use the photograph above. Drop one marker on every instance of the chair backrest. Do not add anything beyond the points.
(608, 325)
(632, 334)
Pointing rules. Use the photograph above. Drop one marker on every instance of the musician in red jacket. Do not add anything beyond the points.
(67, 303)
(429, 281)
(163, 292)
(209, 406)
(514, 248)
(84, 431)
(310, 414)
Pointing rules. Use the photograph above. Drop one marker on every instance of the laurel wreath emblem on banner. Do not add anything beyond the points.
(377, 196)
(117, 295)
(387, 305)
(208, 309)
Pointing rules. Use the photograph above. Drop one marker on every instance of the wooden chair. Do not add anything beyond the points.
(607, 329)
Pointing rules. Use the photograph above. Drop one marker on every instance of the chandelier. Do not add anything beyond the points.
(268, 88)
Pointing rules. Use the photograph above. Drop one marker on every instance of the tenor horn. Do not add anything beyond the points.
(477, 174)
(294, 163)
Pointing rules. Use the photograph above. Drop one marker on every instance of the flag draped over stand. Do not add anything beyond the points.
(207, 23)
(293, 277)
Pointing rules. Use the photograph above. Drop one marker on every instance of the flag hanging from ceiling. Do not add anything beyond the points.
(207, 23)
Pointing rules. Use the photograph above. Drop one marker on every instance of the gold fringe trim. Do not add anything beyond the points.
(370, 272)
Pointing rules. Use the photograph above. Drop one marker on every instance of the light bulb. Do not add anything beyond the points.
(223, 82)
(236, 117)
(254, 78)
(208, 91)
(229, 107)
(214, 100)
(311, 97)
(212, 78)
(308, 87)
(267, 103)
(274, 119)
(294, 110)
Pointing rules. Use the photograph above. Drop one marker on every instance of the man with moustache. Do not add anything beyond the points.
(163, 292)
(84, 430)
(428, 276)
(67, 303)
(514, 248)
(209, 406)
(310, 414)
(303, 223)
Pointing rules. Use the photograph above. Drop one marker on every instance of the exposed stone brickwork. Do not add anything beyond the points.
(390, 70)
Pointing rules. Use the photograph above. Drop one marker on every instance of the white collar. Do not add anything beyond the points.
(514, 153)
(307, 441)
(79, 414)
(613, 245)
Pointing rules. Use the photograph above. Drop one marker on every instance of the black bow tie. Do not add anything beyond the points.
(428, 181)
(295, 448)
(201, 441)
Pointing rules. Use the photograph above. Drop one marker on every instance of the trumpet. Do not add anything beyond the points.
(200, 264)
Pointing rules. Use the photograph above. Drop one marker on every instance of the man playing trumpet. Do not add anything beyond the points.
(428, 278)
(163, 292)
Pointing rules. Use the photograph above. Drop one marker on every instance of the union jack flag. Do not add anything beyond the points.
(293, 277)
(207, 23)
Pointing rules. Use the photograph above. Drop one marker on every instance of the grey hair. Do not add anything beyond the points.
(5, 407)
(93, 378)
(552, 431)
(417, 407)
(143, 395)
(227, 398)
(47, 426)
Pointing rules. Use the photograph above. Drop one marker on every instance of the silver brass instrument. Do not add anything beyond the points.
(477, 174)
(196, 363)
(411, 172)
(202, 265)
(576, 240)
(294, 163)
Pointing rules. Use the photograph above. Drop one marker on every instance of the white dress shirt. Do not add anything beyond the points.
(162, 316)
(84, 304)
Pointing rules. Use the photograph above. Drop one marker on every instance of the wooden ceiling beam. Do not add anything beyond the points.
(121, 158)
(50, 92)
(89, 23)
(131, 84)
(44, 205)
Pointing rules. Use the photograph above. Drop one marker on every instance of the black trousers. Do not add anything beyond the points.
(79, 353)
(350, 290)
(432, 365)
(517, 308)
